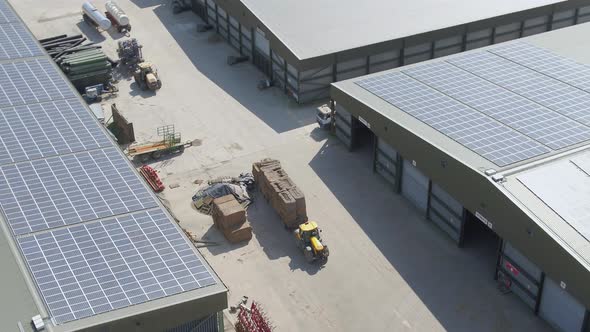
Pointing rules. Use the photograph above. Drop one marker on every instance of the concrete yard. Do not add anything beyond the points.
(389, 269)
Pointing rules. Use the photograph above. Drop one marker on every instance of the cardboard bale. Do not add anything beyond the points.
(238, 233)
(223, 199)
(228, 214)
(286, 202)
(299, 198)
(282, 184)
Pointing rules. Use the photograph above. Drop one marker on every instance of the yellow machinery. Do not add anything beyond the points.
(146, 76)
(309, 241)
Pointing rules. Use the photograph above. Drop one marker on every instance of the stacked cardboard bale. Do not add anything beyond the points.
(280, 191)
(230, 218)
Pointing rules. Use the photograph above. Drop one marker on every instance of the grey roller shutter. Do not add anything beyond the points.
(446, 212)
(525, 276)
(343, 126)
(414, 186)
(560, 309)
(386, 161)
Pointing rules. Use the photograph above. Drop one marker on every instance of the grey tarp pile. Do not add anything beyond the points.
(237, 187)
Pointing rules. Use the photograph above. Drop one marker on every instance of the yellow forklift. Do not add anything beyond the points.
(308, 239)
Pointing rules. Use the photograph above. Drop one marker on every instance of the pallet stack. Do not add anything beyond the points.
(280, 191)
(230, 218)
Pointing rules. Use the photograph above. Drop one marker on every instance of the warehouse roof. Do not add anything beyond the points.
(497, 107)
(315, 28)
(524, 117)
(84, 240)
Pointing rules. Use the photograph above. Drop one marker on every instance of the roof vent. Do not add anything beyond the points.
(498, 177)
(490, 172)
(38, 323)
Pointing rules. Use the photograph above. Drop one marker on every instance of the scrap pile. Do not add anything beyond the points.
(84, 64)
(229, 216)
(253, 319)
(63, 44)
(280, 191)
(237, 187)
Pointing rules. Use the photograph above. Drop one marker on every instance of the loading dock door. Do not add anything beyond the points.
(261, 52)
(343, 126)
(415, 186)
(561, 309)
(386, 161)
(525, 277)
(446, 212)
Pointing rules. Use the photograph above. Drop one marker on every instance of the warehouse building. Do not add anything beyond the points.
(303, 46)
(85, 245)
(493, 146)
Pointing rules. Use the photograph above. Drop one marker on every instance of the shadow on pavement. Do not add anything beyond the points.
(240, 81)
(456, 285)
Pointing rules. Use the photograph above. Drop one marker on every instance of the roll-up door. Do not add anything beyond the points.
(199, 7)
(386, 161)
(343, 126)
(560, 309)
(414, 185)
(446, 212)
(261, 52)
(523, 275)
(222, 21)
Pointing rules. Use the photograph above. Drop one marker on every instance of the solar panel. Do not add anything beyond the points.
(100, 266)
(17, 42)
(31, 81)
(6, 13)
(64, 190)
(35, 131)
(476, 131)
(529, 118)
(554, 94)
(547, 63)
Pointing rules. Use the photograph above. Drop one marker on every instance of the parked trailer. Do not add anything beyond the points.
(117, 16)
(170, 143)
(94, 17)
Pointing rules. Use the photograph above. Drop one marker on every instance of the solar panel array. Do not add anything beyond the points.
(58, 191)
(6, 13)
(100, 266)
(492, 104)
(92, 234)
(16, 42)
(29, 132)
(32, 81)
(532, 119)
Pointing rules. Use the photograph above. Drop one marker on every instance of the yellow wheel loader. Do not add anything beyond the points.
(146, 76)
(308, 239)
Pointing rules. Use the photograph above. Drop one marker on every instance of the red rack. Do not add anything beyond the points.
(152, 178)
